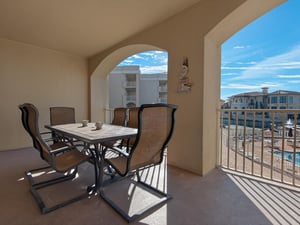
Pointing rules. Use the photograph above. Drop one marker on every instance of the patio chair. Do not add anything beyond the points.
(62, 158)
(155, 128)
(120, 115)
(62, 115)
(133, 123)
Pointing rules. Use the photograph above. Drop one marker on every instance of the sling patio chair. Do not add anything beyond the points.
(133, 123)
(155, 128)
(120, 115)
(62, 158)
(62, 115)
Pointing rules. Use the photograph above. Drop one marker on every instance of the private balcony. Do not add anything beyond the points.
(221, 197)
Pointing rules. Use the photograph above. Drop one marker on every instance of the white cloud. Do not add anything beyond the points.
(249, 86)
(238, 47)
(229, 74)
(271, 66)
(154, 69)
(247, 63)
(294, 82)
(127, 61)
(289, 76)
(147, 54)
(136, 56)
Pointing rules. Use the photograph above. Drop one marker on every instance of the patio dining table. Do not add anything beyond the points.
(93, 138)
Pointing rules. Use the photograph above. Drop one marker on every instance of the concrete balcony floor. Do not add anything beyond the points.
(221, 197)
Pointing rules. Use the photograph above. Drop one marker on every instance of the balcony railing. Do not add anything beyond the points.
(162, 100)
(130, 98)
(163, 89)
(129, 84)
(262, 142)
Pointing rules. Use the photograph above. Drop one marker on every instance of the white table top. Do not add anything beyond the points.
(89, 133)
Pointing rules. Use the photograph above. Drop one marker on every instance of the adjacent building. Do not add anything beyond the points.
(279, 99)
(128, 87)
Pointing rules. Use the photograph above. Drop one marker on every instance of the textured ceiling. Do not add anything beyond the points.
(82, 27)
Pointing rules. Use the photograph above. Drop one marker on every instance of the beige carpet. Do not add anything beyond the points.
(213, 199)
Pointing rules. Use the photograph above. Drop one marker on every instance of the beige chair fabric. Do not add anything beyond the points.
(133, 123)
(61, 157)
(119, 116)
(154, 131)
(62, 115)
(155, 128)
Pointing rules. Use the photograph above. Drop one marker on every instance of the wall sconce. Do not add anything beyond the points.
(184, 84)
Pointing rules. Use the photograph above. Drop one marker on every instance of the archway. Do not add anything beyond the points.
(98, 81)
(232, 23)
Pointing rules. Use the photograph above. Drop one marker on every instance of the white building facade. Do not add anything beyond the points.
(129, 88)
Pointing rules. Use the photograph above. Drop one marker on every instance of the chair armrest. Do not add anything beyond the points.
(49, 136)
(46, 132)
(117, 150)
(62, 149)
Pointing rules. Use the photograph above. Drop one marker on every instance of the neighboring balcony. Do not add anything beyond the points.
(163, 89)
(129, 84)
(162, 100)
(130, 98)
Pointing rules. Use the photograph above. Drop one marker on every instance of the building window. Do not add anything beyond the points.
(273, 99)
(290, 100)
(282, 99)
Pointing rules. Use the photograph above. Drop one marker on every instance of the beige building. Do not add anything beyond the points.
(280, 99)
(129, 88)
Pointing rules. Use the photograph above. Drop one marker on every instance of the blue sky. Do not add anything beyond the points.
(149, 62)
(266, 53)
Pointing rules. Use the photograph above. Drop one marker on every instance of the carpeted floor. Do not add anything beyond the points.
(213, 199)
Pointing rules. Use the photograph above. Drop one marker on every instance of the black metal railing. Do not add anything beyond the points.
(261, 142)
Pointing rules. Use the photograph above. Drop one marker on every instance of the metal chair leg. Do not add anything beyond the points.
(34, 187)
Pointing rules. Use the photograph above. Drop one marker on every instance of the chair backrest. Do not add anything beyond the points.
(25, 124)
(30, 116)
(132, 122)
(119, 116)
(133, 117)
(62, 115)
(155, 129)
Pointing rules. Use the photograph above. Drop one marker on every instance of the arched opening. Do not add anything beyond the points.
(99, 79)
(239, 18)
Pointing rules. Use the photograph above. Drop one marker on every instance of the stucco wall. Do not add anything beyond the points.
(183, 35)
(194, 143)
(43, 77)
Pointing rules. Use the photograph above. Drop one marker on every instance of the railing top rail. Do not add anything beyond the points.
(261, 110)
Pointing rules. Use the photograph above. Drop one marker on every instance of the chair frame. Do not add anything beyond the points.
(69, 173)
(164, 196)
